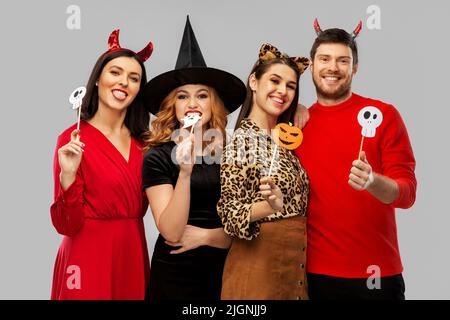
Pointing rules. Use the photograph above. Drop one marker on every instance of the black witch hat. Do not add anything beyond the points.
(191, 69)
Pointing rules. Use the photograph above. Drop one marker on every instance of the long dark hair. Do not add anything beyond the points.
(137, 118)
(259, 69)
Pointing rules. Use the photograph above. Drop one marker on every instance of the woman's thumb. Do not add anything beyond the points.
(75, 134)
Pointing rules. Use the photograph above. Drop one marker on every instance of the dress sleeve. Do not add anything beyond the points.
(67, 209)
(398, 162)
(157, 168)
(239, 184)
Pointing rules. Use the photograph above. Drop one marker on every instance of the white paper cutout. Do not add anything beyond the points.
(191, 119)
(76, 98)
(370, 119)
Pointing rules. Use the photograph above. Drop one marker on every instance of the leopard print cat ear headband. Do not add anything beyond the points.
(269, 52)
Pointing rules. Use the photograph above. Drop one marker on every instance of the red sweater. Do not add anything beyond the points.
(350, 230)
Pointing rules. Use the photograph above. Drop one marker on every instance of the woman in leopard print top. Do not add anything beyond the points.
(266, 216)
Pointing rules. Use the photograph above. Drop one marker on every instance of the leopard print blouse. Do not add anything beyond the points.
(245, 160)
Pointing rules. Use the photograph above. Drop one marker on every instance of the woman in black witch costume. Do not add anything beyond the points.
(181, 182)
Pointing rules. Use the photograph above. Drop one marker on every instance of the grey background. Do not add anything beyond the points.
(42, 61)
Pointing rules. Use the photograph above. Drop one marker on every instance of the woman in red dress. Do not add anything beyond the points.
(98, 201)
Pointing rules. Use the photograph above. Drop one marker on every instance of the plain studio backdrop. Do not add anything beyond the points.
(50, 47)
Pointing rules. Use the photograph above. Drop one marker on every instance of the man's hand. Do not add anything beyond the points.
(301, 116)
(361, 176)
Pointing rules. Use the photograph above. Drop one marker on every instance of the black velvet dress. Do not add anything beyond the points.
(195, 274)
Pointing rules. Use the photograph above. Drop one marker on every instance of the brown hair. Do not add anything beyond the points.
(166, 122)
(259, 69)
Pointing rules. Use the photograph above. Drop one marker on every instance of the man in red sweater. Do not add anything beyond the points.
(352, 236)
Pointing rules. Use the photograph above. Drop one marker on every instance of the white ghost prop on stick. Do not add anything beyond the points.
(370, 119)
(190, 120)
(76, 99)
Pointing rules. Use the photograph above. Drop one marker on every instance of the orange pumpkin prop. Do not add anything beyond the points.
(287, 136)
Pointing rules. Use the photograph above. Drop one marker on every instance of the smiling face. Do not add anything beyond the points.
(275, 90)
(333, 71)
(119, 83)
(191, 100)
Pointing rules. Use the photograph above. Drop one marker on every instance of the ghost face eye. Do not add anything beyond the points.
(76, 94)
(366, 115)
(374, 116)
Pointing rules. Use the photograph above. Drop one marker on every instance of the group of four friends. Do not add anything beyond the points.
(311, 228)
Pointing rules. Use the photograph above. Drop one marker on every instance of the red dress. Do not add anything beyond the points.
(103, 254)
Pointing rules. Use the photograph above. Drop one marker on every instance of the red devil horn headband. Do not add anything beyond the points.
(357, 30)
(317, 26)
(114, 45)
(354, 34)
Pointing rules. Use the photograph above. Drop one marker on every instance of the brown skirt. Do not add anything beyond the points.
(270, 267)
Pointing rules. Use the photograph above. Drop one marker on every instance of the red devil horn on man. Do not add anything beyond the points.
(357, 30)
(317, 26)
(354, 34)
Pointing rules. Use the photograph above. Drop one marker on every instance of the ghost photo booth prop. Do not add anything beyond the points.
(191, 120)
(369, 118)
(76, 99)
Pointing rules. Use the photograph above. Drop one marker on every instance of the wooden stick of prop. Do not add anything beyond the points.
(273, 158)
(78, 123)
(360, 148)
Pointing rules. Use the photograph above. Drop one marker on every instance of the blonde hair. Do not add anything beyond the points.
(166, 122)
